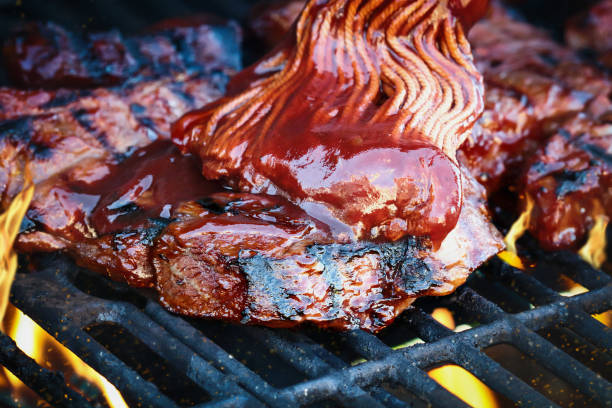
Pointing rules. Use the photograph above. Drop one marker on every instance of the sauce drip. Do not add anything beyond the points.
(149, 184)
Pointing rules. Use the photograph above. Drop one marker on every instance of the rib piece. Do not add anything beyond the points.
(591, 32)
(545, 110)
(359, 124)
(70, 144)
(106, 213)
(531, 84)
(262, 260)
(48, 56)
(71, 139)
(570, 181)
(53, 136)
(536, 90)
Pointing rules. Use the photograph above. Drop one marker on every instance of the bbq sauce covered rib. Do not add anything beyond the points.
(260, 258)
(263, 260)
(545, 131)
(350, 136)
(45, 55)
(359, 120)
(532, 86)
(537, 109)
(93, 197)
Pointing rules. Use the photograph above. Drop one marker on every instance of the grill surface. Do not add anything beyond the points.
(158, 359)
(298, 367)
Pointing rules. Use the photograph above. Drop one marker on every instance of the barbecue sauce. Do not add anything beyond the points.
(356, 117)
(147, 185)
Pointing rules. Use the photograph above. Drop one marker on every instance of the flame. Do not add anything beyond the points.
(458, 380)
(30, 337)
(40, 345)
(594, 251)
(604, 318)
(510, 255)
(10, 221)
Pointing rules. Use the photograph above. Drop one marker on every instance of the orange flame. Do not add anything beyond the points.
(594, 251)
(604, 318)
(458, 380)
(10, 222)
(40, 345)
(510, 255)
(29, 336)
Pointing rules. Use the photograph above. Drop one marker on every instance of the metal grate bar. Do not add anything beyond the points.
(49, 385)
(526, 285)
(574, 267)
(310, 346)
(595, 301)
(487, 370)
(500, 379)
(126, 315)
(233, 402)
(415, 380)
(387, 399)
(427, 327)
(476, 306)
(390, 369)
(31, 291)
(176, 353)
(425, 387)
(212, 352)
(367, 345)
(563, 365)
(590, 329)
(310, 365)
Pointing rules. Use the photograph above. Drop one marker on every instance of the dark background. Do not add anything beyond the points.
(133, 15)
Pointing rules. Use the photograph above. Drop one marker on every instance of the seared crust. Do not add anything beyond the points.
(291, 274)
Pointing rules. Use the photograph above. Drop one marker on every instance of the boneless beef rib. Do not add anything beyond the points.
(357, 125)
(378, 213)
(357, 122)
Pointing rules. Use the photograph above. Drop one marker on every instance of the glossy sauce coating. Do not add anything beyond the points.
(356, 123)
(150, 184)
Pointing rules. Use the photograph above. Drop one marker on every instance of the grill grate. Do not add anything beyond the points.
(236, 366)
(186, 347)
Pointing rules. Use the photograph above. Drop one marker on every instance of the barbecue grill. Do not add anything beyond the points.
(157, 359)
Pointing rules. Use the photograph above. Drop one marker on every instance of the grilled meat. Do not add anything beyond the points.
(364, 136)
(570, 181)
(106, 213)
(114, 204)
(48, 56)
(591, 32)
(263, 260)
(105, 123)
(531, 85)
(69, 149)
(544, 128)
(532, 93)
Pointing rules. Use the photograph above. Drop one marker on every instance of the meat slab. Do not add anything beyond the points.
(45, 55)
(535, 88)
(114, 194)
